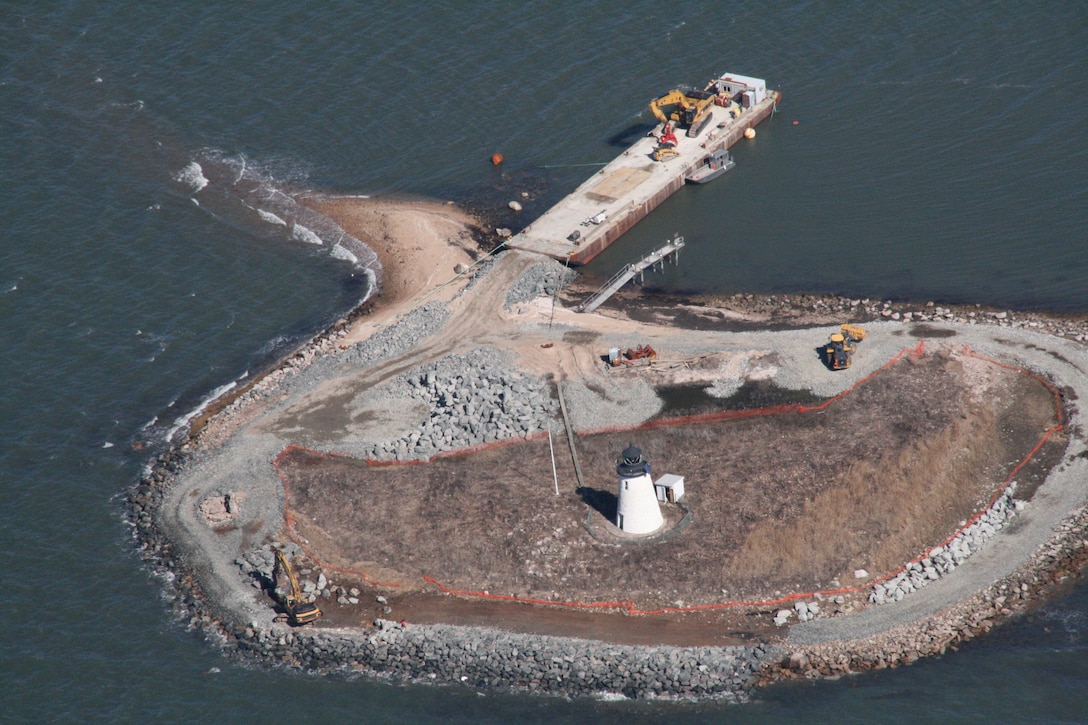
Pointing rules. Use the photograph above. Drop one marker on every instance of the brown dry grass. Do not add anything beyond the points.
(782, 503)
(898, 503)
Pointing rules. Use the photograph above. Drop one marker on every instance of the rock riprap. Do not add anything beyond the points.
(470, 399)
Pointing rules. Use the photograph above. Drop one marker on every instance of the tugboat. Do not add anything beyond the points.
(712, 167)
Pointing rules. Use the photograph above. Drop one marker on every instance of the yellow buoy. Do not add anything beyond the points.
(749, 133)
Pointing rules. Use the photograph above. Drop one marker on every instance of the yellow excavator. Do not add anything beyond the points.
(842, 345)
(298, 611)
(686, 108)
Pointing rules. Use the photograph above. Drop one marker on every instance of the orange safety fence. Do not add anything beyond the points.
(628, 606)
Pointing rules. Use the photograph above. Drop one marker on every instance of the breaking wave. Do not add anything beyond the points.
(191, 177)
(301, 234)
(249, 197)
(184, 420)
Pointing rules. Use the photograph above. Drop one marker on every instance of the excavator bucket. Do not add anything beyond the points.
(854, 332)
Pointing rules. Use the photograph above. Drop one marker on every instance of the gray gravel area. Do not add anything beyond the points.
(613, 402)
(543, 279)
(462, 401)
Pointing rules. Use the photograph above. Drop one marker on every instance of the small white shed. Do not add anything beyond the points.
(747, 91)
(669, 487)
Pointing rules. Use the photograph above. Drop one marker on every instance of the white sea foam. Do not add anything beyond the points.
(301, 234)
(340, 253)
(270, 217)
(371, 284)
(275, 344)
(249, 195)
(215, 395)
(192, 177)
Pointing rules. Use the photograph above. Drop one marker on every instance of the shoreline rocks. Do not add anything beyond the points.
(943, 560)
(492, 658)
(1062, 558)
(488, 658)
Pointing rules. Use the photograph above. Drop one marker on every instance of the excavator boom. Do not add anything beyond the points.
(687, 108)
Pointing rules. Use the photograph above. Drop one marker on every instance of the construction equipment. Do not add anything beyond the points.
(842, 345)
(661, 153)
(631, 355)
(641, 352)
(299, 612)
(666, 144)
(664, 152)
(687, 108)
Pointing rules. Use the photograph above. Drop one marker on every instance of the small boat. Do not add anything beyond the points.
(712, 167)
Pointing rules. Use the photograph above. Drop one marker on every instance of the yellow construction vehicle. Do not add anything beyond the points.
(662, 152)
(298, 611)
(687, 108)
(842, 346)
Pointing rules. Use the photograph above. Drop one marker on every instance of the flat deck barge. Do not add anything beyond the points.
(621, 194)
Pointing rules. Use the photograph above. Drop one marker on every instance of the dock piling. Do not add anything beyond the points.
(628, 272)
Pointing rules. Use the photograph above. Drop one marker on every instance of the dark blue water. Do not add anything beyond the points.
(938, 154)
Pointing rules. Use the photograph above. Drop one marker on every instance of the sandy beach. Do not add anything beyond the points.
(421, 246)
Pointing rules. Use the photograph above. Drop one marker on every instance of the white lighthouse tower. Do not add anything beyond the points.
(637, 510)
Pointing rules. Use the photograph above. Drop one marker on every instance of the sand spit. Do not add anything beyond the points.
(207, 511)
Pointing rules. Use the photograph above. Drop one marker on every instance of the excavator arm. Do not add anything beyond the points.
(687, 108)
(671, 98)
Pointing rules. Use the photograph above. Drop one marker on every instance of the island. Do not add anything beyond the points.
(441, 466)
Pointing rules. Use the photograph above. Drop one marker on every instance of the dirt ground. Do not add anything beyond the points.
(783, 503)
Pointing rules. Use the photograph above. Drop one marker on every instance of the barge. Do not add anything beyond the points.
(622, 193)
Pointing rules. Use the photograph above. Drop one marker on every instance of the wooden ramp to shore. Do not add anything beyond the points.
(627, 273)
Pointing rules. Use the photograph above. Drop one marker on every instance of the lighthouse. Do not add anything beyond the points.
(637, 510)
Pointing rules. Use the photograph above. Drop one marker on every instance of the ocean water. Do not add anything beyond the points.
(153, 252)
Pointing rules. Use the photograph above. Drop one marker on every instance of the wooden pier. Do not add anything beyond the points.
(622, 193)
(625, 275)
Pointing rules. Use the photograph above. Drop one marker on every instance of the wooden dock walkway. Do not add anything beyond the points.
(628, 273)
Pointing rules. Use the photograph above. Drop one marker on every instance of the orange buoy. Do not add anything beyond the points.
(796, 122)
(496, 159)
(749, 133)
